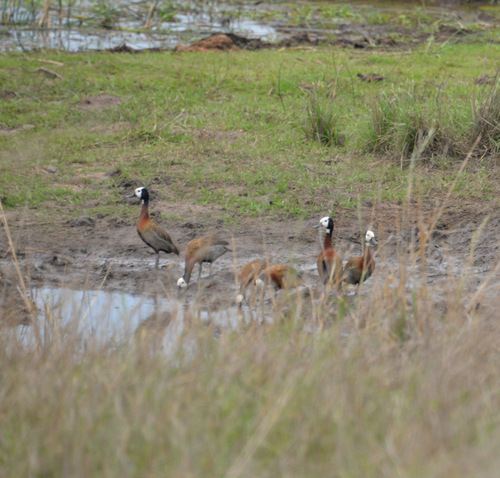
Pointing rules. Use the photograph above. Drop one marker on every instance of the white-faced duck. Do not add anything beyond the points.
(152, 234)
(279, 276)
(329, 262)
(358, 269)
(199, 250)
(249, 273)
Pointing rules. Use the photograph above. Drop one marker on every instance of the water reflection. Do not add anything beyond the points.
(164, 36)
(81, 30)
(104, 317)
(97, 313)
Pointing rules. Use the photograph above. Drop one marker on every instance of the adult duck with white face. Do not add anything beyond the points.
(359, 269)
(200, 250)
(249, 273)
(329, 262)
(152, 234)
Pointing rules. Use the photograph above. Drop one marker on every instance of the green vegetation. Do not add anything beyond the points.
(397, 381)
(235, 130)
(321, 120)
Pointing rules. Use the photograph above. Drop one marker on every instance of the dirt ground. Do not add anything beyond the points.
(89, 253)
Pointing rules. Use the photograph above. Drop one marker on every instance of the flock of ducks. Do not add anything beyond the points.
(257, 272)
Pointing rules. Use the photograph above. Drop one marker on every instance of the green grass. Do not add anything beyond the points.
(396, 382)
(229, 128)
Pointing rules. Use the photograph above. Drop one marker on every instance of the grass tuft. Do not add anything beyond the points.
(322, 118)
(404, 123)
(486, 120)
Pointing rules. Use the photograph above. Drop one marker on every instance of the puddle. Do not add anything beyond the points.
(99, 312)
(188, 22)
(184, 30)
(104, 317)
(171, 35)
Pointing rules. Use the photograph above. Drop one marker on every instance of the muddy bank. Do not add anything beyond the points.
(92, 253)
(250, 26)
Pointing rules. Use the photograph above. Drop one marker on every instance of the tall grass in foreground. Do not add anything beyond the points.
(401, 381)
(391, 388)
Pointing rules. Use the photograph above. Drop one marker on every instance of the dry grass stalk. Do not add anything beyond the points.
(23, 291)
(45, 14)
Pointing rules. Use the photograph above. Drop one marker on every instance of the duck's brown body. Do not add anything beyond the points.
(359, 269)
(249, 273)
(329, 263)
(199, 250)
(279, 276)
(153, 235)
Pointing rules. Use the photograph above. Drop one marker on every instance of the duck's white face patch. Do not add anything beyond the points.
(370, 237)
(181, 283)
(138, 192)
(324, 222)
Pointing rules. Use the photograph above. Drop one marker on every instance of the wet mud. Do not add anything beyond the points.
(99, 254)
(383, 24)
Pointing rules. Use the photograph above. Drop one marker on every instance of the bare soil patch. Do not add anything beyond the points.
(100, 102)
(228, 135)
(102, 252)
(14, 131)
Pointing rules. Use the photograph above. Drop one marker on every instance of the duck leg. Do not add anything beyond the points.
(157, 260)
(199, 272)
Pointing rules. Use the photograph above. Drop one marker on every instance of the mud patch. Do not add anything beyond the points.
(231, 136)
(100, 102)
(14, 131)
(102, 252)
(224, 42)
(7, 95)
